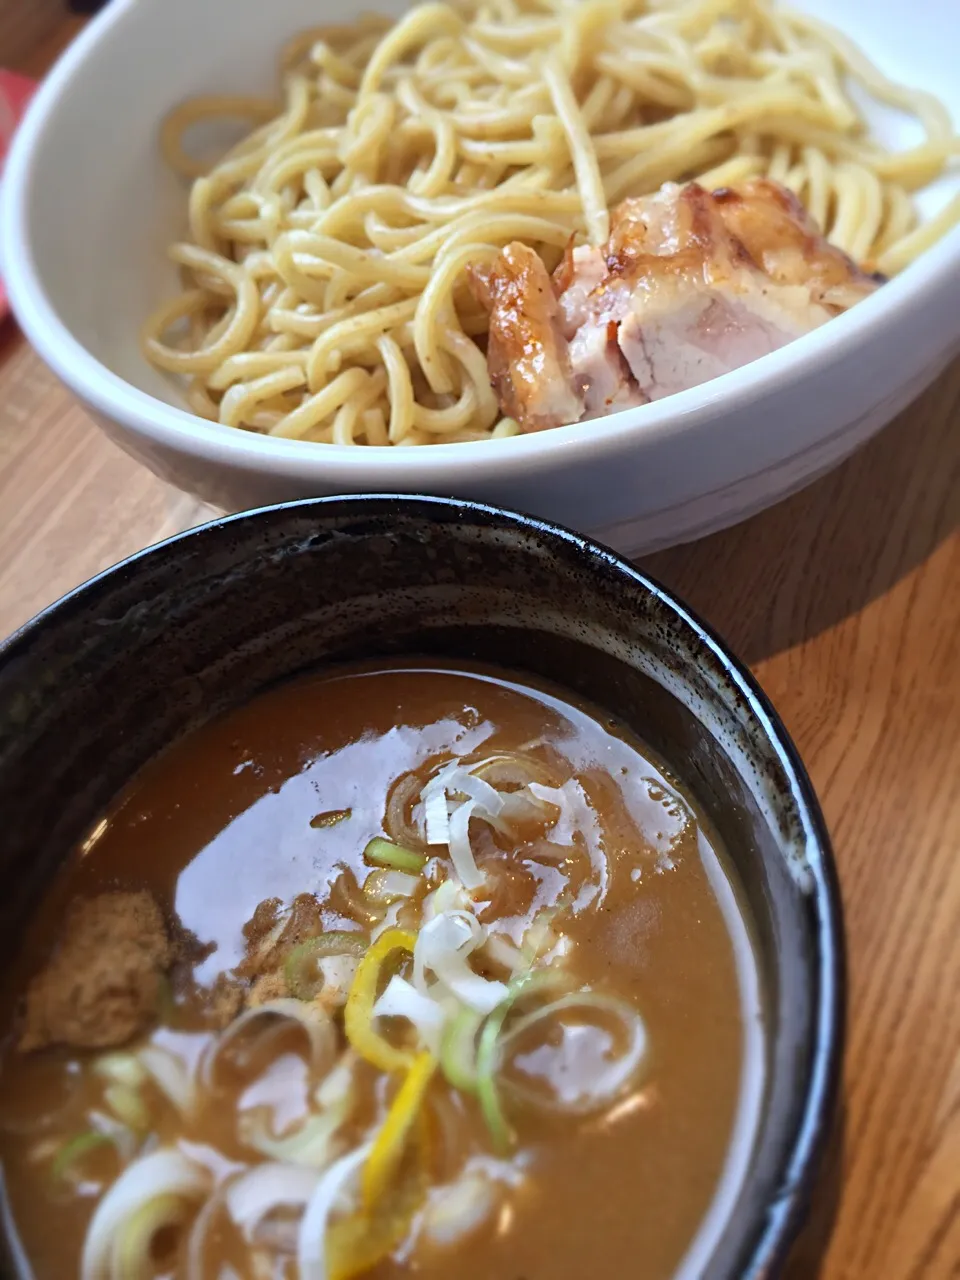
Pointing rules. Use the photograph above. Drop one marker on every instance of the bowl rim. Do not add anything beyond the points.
(177, 428)
(774, 1234)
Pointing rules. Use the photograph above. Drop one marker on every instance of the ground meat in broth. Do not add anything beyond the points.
(102, 984)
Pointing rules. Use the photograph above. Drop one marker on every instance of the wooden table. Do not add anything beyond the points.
(845, 600)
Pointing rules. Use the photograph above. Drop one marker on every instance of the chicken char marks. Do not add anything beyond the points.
(689, 286)
(527, 357)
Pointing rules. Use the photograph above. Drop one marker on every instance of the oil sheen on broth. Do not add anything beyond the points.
(510, 1019)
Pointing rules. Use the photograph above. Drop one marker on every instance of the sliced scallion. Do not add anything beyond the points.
(304, 979)
(488, 1055)
(384, 853)
(488, 1051)
(77, 1149)
(127, 1104)
(458, 1050)
(604, 1085)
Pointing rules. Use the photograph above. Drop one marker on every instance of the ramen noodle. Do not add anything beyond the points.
(324, 270)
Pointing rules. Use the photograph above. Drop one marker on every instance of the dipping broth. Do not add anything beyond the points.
(508, 1010)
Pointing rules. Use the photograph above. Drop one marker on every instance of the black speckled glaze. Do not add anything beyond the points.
(97, 684)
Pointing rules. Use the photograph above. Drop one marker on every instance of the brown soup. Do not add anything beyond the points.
(395, 970)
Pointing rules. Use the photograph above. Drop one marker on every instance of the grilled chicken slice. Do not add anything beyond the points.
(693, 303)
(689, 286)
(782, 238)
(527, 356)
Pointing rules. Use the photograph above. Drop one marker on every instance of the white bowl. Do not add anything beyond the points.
(88, 209)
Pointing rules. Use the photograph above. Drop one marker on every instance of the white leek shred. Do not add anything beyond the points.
(461, 854)
(449, 896)
(440, 779)
(457, 931)
(454, 779)
(314, 1143)
(448, 932)
(310, 1015)
(311, 1145)
(172, 1076)
(128, 1105)
(121, 1135)
(542, 942)
(457, 1208)
(166, 1173)
(512, 1173)
(434, 800)
(330, 1194)
(463, 782)
(254, 1195)
(590, 1077)
(220, 1167)
(504, 951)
(521, 805)
(577, 815)
(436, 818)
(562, 799)
(387, 884)
(121, 1068)
(447, 820)
(338, 973)
(402, 1000)
(389, 921)
(443, 947)
(336, 1088)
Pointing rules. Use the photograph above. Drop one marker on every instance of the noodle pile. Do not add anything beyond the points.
(325, 294)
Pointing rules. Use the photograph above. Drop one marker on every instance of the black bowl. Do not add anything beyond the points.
(101, 681)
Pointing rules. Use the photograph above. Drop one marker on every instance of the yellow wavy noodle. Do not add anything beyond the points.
(324, 275)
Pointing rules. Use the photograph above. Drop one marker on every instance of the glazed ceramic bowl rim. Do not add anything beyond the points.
(805, 1144)
(177, 428)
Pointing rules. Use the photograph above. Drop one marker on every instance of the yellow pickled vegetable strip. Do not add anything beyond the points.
(384, 1160)
(357, 1243)
(358, 1014)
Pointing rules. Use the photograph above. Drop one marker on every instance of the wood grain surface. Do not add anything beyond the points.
(845, 600)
